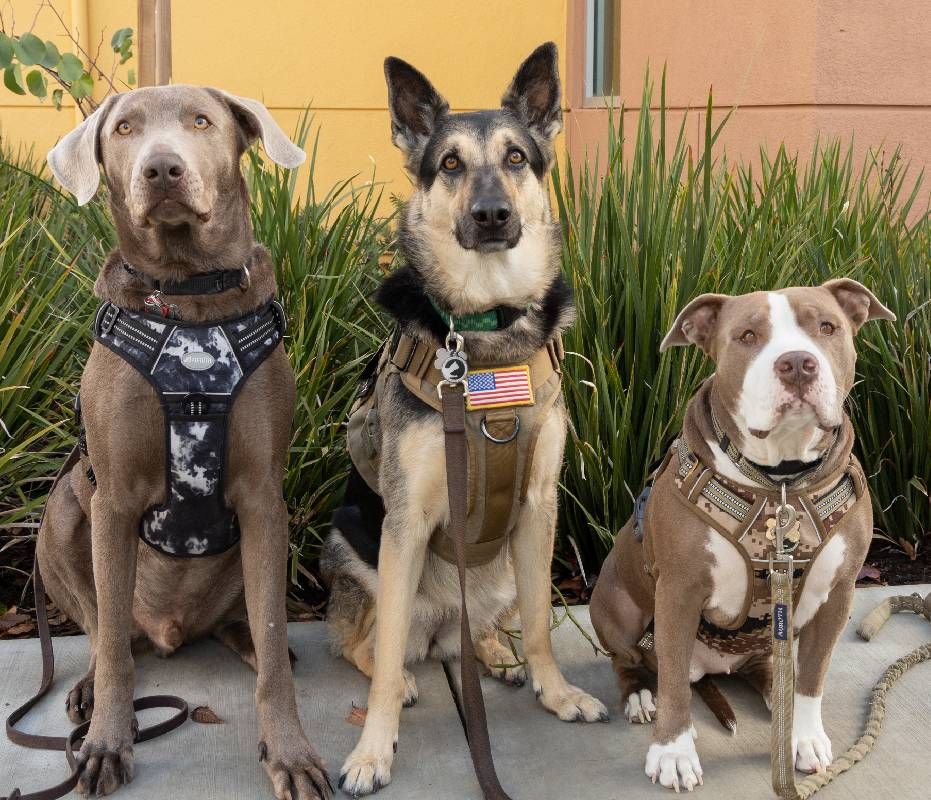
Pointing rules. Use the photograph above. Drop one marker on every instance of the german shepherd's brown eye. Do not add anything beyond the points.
(123, 128)
(827, 329)
(748, 337)
(516, 157)
(451, 163)
(201, 122)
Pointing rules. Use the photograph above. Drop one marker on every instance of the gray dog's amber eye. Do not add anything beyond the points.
(516, 157)
(451, 163)
(124, 128)
(748, 337)
(827, 328)
(201, 122)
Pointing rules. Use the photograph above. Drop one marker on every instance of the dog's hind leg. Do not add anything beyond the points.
(64, 554)
(499, 660)
(758, 672)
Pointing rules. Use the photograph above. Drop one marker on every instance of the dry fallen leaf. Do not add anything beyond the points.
(869, 573)
(206, 716)
(357, 715)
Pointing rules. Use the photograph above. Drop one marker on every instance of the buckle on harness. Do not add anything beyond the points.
(106, 319)
(278, 311)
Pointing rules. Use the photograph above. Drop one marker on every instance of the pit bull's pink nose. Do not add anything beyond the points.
(163, 170)
(797, 368)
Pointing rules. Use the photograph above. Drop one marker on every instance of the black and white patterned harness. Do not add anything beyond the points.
(197, 371)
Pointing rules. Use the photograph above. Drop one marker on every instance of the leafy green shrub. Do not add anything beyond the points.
(666, 226)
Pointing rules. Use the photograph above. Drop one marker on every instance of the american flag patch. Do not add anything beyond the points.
(499, 388)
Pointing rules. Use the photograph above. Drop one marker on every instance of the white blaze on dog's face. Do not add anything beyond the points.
(784, 360)
(479, 220)
(169, 152)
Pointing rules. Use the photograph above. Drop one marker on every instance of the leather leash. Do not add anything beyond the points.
(68, 743)
(472, 707)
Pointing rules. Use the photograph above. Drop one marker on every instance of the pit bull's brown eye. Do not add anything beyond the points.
(827, 328)
(516, 157)
(451, 163)
(748, 337)
(201, 122)
(124, 128)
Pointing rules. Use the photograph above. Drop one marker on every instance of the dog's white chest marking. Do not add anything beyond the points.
(763, 394)
(728, 578)
(820, 581)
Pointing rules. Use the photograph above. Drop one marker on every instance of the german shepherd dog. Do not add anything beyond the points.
(477, 233)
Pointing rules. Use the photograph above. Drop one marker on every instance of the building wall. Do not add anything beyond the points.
(326, 54)
(795, 71)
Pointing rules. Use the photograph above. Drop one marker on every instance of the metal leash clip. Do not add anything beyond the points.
(785, 534)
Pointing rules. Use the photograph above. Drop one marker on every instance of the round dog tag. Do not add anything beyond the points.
(454, 368)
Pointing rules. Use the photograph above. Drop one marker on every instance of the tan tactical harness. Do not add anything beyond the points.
(746, 518)
(501, 441)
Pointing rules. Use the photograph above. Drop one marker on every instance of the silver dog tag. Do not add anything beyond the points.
(453, 365)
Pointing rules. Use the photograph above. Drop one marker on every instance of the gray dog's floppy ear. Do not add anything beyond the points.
(414, 104)
(257, 123)
(858, 303)
(696, 323)
(534, 93)
(74, 159)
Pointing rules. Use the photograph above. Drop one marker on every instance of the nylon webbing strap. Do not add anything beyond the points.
(68, 743)
(473, 704)
(783, 697)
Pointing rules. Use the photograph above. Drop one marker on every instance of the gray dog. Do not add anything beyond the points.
(188, 326)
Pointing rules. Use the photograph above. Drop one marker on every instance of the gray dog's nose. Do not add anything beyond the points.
(491, 212)
(163, 170)
(798, 367)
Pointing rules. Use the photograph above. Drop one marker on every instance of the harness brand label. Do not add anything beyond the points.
(781, 622)
(198, 361)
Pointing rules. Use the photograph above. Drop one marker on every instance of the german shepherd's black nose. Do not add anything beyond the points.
(491, 212)
(164, 170)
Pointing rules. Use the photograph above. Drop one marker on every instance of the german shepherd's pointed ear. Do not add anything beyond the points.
(534, 95)
(415, 107)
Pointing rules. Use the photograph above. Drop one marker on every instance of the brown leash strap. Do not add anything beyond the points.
(473, 705)
(68, 743)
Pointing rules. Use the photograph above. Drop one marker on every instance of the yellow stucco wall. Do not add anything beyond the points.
(324, 53)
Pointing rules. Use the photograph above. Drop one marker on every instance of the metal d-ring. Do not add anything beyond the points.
(510, 438)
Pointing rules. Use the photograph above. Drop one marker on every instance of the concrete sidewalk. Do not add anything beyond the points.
(537, 756)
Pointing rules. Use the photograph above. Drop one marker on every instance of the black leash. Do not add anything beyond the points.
(75, 738)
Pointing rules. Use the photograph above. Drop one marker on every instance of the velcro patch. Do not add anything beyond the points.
(500, 388)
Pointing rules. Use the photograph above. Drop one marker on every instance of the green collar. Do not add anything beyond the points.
(492, 320)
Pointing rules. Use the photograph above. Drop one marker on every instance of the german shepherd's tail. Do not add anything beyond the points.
(709, 692)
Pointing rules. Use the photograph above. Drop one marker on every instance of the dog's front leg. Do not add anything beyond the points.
(106, 757)
(405, 534)
(532, 551)
(292, 764)
(672, 758)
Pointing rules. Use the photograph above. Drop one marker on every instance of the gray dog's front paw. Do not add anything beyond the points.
(295, 770)
(80, 701)
(105, 763)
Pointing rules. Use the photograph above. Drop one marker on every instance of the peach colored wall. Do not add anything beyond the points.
(794, 70)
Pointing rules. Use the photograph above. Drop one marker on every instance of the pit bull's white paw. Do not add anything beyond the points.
(640, 706)
(410, 690)
(571, 704)
(675, 765)
(365, 772)
(810, 743)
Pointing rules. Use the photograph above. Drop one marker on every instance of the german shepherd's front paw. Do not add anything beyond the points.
(675, 764)
(571, 704)
(365, 772)
(80, 701)
(295, 770)
(105, 760)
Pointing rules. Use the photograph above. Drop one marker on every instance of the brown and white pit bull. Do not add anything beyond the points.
(691, 567)
(171, 156)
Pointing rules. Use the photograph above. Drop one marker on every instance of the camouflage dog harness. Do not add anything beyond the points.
(197, 371)
(747, 519)
(506, 407)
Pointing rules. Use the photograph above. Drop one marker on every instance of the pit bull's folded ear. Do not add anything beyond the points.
(696, 323)
(256, 122)
(534, 94)
(74, 159)
(415, 107)
(857, 302)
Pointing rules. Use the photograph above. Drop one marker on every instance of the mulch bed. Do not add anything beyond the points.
(886, 565)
